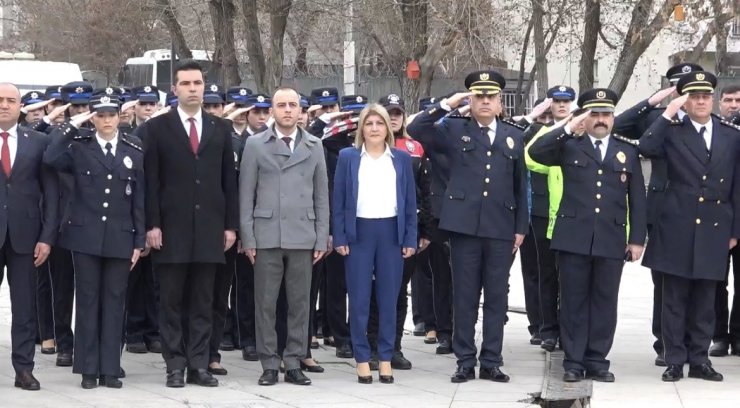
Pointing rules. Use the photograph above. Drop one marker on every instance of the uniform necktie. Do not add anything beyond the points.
(193, 136)
(5, 154)
(485, 130)
(109, 154)
(702, 131)
(287, 141)
(597, 150)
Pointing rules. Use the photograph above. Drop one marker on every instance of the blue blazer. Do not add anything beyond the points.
(344, 200)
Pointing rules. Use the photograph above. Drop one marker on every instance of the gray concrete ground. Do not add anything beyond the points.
(427, 385)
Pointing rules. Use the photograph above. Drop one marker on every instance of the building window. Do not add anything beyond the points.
(735, 28)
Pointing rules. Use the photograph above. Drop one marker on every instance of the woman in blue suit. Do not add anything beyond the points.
(374, 224)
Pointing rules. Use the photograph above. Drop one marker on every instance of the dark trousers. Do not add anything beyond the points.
(436, 261)
(142, 312)
(422, 293)
(44, 302)
(402, 306)
(62, 271)
(186, 288)
(688, 319)
(549, 281)
(374, 253)
(22, 281)
(100, 303)
(657, 311)
(479, 264)
(589, 291)
(336, 298)
(531, 280)
(221, 286)
(242, 302)
(727, 327)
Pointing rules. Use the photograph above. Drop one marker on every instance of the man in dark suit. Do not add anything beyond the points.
(192, 216)
(696, 225)
(591, 233)
(485, 211)
(632, 124)
(28, 224)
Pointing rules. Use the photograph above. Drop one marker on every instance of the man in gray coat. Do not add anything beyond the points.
(284, 215)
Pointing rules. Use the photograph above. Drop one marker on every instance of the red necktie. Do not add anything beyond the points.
(193, 136)
(5, 154)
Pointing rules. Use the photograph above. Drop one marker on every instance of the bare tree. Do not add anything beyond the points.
(591, 30)
(266, 69)
(224, 56)
(169, 18)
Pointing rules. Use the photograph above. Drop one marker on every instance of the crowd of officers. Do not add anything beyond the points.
(562, 185)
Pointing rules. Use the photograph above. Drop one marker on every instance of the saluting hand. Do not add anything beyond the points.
(160, 112)
(40, 253)
(313, 108)
(56, 112)
(37, 105)
(576, 122)
(672, 109)
(229, 108)
(660, 96)
(518, 239)
(128, 105)
(135, 258)
(233, 115)
(78, 120)
(455, 100)
(539, 109)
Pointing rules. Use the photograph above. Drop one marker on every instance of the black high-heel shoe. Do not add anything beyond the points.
(386, 379)
(365, 379)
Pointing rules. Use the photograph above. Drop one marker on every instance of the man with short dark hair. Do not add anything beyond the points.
(192, 216)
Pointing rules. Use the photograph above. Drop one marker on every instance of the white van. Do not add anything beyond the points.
(29, 74)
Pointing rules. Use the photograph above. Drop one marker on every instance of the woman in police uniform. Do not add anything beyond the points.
(104, 229)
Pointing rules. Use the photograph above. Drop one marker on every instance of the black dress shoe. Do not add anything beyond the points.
(155, 347)
(549, 345)
(64, 360)
(673, 373)
(226, 345)
(444, 346)
(136, 348)
(600, 376)
(399, 362)
(719, 348)
(386, 379)
(268, 377)
(535, 340)
(122, 374)
(660, 361)
(202, 377)
(365, 379)
(89, 381)
(48, 350)
(328, 341)
(296, 376)
(25, 380)
(493, 374)
(572, 376)
(110, 381)
(249, 353)
(463, 374)
(419, 330)
(312, 368)
(344, 351)
(176, 379)
(314, 345)
(217, 370)
(705, 372)
(735, 349)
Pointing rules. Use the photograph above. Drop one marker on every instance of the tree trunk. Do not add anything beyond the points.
(722, 31)
(279, 10)
(588, 48)
(169, 19)
(639, 37)
(520, 101)
(224, 56)
(414, 14)
(540, 54)
(254, 45)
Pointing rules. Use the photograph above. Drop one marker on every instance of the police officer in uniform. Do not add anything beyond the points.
(104, 230)
(696, 226)
(147, 97)
(603, 193)
(633, 123)
(485, 211)
(32, 116)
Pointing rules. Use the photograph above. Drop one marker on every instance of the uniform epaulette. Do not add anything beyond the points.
(730, 124)
(676, 122)
(131, 143)
(82, 137)
(508, 121)
(633, 142)
(457, 116)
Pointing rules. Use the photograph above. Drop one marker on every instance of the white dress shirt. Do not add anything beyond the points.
(707, 132)
(604, 144)
(102, 142)
(292, 137)
(491, 130)
(376, 195)
(184, 119)
(12, 143)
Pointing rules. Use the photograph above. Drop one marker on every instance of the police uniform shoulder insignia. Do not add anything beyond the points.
(729, 124)
(633, 142)
(85, 136)
(510, 122)
(131, 143)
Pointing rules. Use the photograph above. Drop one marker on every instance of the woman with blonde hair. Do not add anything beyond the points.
(375, 228)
